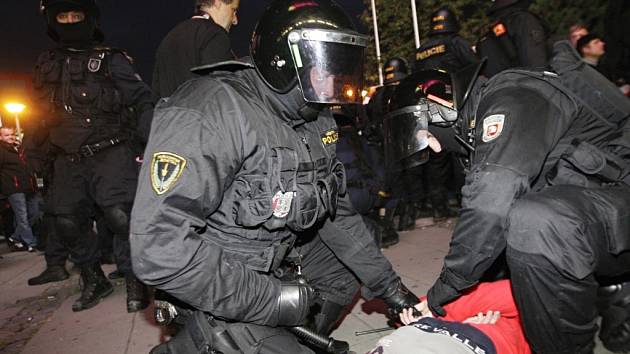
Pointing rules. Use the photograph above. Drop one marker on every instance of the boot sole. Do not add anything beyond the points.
(95, 302)
(47, 281)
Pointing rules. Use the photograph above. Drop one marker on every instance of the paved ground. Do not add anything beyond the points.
(39, 320)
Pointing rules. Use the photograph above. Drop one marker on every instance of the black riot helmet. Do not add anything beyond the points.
(313, 44)
(80, 33)
(443, 21)
(424, 98)
(396, 69)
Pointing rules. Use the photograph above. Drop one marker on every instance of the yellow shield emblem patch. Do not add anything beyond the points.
(166, 168)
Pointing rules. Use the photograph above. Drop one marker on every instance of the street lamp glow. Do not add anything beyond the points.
(16, 108)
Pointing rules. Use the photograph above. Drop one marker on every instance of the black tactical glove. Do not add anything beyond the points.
(294, 302)
(441, 294)
(398, 297)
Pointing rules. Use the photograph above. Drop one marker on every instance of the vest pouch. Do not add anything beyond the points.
(339, 171)
(255, 208)
(306, 207)
(49, 72)
(329, 193)
(586, 158)
(565, 173)
(283, 169)
(84, 95)
(109, 100)
(76, 69)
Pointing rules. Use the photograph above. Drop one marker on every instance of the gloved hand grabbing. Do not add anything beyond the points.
(398, 297)
(294, 302)
(441, 294)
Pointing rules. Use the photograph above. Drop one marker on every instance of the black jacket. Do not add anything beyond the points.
(15, 174)
(450, 52)
(89, 96)
(525, 123)
(517, 38)
(194, 42)
(231, 175)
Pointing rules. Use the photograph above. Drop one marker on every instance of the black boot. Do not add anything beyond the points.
(95, 287)
(441, 209)
(137, 294)
(115, 275)
(51, 274)
(407, 220)
(389, 236)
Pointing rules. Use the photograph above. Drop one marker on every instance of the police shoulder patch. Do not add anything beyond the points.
(94, 64)
(330, 137)
(499, 29)
(492, 127)
(166, 168)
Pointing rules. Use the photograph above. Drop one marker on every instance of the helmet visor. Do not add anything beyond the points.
(329, 65)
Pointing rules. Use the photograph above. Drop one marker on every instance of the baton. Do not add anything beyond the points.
(371, 331)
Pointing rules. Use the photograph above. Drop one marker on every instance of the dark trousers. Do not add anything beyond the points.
(56, 252)
(559, 242)
(323, 271)
(106, 180)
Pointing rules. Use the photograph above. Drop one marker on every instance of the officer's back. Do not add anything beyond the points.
(516, 38)
(445, 48)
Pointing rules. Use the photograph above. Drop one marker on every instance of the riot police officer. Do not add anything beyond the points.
(548, 182)
(242, 207)
(96, 107)
(365, 174)
(445, 48)
(403, 188)
(516, 38)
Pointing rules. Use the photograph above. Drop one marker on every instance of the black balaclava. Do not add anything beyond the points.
(290, 106)
(75, 35)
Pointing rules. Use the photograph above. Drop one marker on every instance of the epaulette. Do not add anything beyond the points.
(112, 50)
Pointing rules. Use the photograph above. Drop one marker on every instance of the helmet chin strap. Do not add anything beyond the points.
(310, 111)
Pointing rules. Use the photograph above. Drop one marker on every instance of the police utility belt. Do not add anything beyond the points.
(90, 150)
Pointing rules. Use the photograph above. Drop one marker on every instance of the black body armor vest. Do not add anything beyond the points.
(78, 91)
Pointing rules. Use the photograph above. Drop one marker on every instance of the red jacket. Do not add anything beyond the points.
(507, 334)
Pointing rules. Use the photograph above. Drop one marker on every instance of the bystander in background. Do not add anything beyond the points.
(20, 186)
(200, 40)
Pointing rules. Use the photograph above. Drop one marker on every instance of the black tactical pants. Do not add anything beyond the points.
(323, 271)
(56, 252)
(106, 180)
(559, 242)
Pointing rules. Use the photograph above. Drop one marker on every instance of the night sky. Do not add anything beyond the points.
(136, 26)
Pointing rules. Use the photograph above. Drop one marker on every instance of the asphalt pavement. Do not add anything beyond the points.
(39, 319)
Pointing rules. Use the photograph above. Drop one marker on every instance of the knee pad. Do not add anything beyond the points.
(71, 225)
(117, 218)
